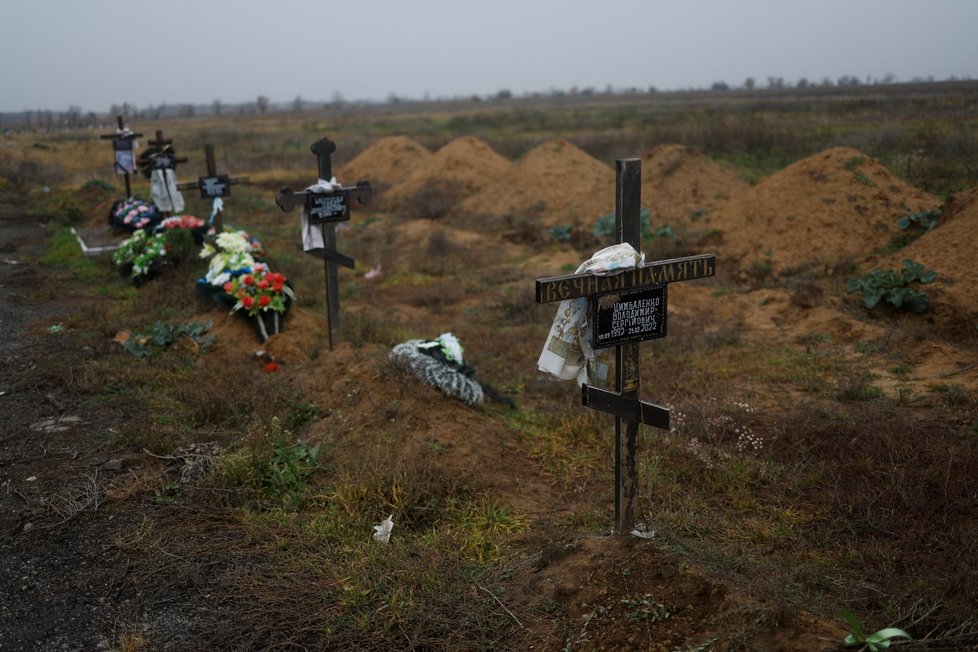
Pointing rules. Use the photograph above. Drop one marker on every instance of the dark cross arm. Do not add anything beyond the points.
(287, 199)
(332, 256)
(184, 185)
(628, 409)
(575, 286)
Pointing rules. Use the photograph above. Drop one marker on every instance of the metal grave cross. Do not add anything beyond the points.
(213, 185)
(163, 157)
(625, 309)
(326, 209)
(123, 142)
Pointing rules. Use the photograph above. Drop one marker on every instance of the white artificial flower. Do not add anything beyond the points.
(207, 251)
(382, 532)
(451, 347)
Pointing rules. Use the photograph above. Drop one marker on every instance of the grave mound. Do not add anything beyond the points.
(556, 183)
(460, 169)
(948, 249)
(835, 206)
(386, 162)
(680, 185)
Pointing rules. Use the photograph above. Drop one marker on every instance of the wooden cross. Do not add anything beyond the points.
(625, 309)
(326, 209)
(213, 185)
(125, 160)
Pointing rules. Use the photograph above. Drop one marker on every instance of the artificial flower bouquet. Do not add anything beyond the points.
(197, 227)
(261, 293)
(237, 277)
(147, 251)
(134, 213)
(142, 254)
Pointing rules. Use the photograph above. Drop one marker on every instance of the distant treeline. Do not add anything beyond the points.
(76, 118)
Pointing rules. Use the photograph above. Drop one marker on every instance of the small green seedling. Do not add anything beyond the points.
(874, 642)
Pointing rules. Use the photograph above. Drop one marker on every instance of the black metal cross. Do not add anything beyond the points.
(162, 158)
(326, 209)
(125, 160)
(626, 308)
(213, 185)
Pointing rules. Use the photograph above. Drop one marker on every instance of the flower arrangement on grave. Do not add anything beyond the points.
(197, 227)
(231, 254)
(142, 254)
(258, 293)
(439, 363)
(134, 213)
(237, 277)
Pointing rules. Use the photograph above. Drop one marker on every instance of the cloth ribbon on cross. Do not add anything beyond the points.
(163, 188)
(312, 238)
(568, 353)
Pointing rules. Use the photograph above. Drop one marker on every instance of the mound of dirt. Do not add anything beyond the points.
(557, 183)
(626, 593)
(680, 185)
(386, 162)
(302, 335)
(463, 167)
(835, 206)
(949, 250)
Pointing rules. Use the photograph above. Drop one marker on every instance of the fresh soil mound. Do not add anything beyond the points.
(835, 206)
(386, 162)
(949, 250)
(557, 183)
(461, 169)
(680, 185)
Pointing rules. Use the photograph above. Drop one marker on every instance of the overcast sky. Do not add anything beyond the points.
(96, 53)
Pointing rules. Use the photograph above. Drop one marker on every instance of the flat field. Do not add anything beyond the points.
(823, 456)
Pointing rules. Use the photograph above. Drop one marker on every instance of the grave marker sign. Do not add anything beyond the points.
(123, 143)
(626, 308)
(325, 209)
(213, 185)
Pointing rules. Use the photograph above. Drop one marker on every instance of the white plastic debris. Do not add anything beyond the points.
(382, 532)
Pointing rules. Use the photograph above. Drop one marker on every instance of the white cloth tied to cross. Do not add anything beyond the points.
(312, 236)
(163, 188)
(568, 353)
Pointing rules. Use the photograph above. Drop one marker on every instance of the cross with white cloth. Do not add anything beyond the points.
(325, 203)
(615, 299)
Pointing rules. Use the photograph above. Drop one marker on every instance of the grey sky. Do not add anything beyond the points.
(95, 53)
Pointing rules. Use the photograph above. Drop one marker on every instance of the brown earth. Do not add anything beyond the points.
(949, 250)
(833, 207)
(829, 208)
(682, 186)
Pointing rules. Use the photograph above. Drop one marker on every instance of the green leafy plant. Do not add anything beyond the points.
(561, 233)
(927, 220)
(605, 226)
(162, 334)
(876, 641)
(923, 221)
(892, 286)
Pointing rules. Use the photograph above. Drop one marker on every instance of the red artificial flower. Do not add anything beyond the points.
(247, 302)
(247, 279)
(262, 284)
(264, 300)
(277, 287)
(270, 367)
(228, 287)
